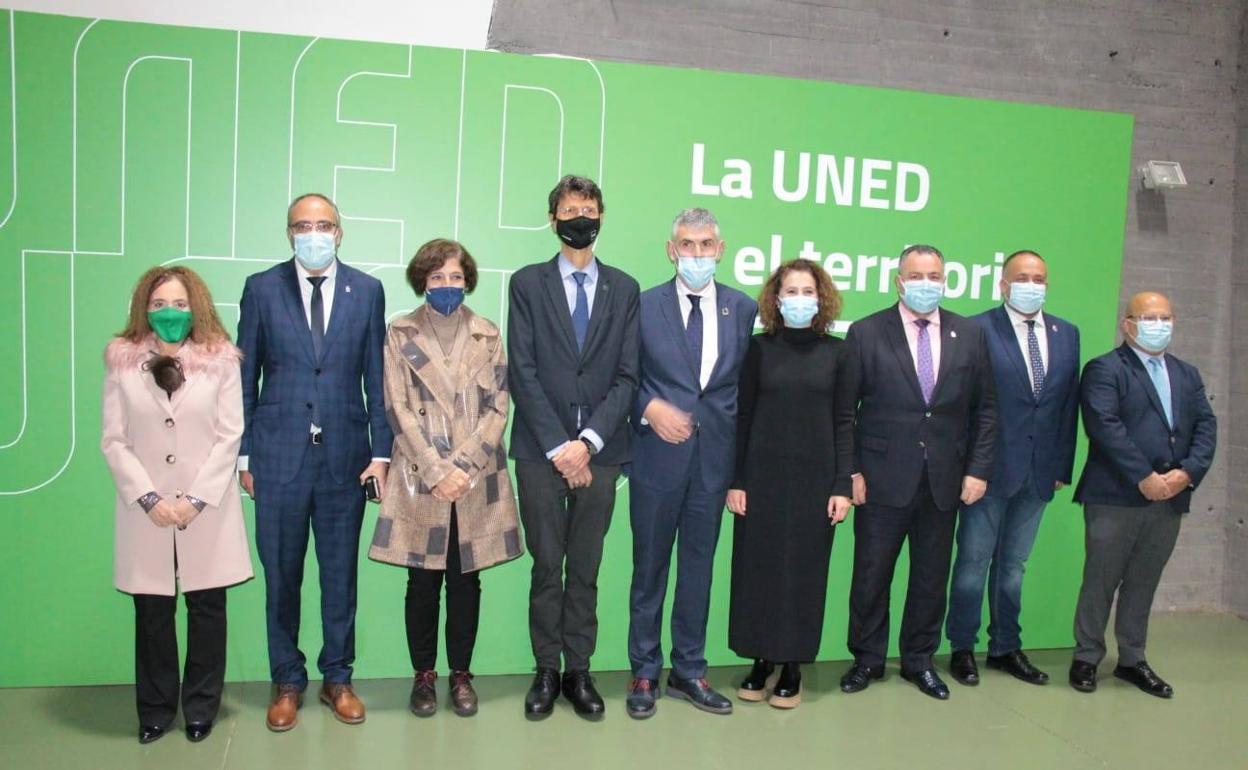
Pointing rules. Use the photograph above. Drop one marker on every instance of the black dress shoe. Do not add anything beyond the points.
(699, 693)
(859, 677)
(540, 700)
(1082, 676)
(149, 733)
(1016, 665)
(578, 688)
(640, 701)
(1143, 677)
(762, 677)
(962, 666)
(423, 700)
(928, 682)
(197, 731)
(788, 692)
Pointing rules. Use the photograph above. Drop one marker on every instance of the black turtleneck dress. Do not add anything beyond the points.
(788, 424)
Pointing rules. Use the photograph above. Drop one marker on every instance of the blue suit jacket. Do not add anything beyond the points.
(1035, 436)
(667, 372)
(1128, 432)
(282, 377)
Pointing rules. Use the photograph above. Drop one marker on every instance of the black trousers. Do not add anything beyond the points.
(156, 657)
(879, 531)
(564, 529)
(463, 610)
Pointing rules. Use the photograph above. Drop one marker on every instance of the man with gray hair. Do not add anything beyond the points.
(694, 334)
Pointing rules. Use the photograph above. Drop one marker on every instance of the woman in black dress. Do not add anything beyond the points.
(789, 490)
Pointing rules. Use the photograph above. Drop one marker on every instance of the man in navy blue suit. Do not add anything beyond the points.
(694, 334)
(1152, 436)
(312, 331)
(1035, 365)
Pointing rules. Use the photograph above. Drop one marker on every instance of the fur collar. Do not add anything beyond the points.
(122, 355)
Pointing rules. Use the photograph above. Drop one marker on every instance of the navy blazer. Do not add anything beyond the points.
(282, 377)
(1128, 434)
(897, 435)
(1036, 435)
(668, 372)
(558, 390)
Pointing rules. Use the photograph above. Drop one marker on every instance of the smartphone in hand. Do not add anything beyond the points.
(371, 489)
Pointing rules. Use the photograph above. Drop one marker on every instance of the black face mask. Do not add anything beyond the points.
(578, 232)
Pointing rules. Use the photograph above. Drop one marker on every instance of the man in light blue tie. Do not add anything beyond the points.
(572, 347)
(1152, 436)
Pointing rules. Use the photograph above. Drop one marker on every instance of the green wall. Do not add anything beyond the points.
(124, 145)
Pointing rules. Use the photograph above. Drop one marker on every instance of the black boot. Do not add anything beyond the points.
(788, 692)
(762, 677)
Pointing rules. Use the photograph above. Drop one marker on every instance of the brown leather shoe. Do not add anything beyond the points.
(284, 708)
(341, 698)
(463, 697)
(423, 702)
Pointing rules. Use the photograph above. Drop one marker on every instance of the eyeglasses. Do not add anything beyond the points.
(584, 211)
(1153, 317)
(321, 226)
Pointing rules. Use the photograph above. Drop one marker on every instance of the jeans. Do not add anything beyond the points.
(995, 536)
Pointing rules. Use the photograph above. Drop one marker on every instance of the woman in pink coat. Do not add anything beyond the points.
(173, 418)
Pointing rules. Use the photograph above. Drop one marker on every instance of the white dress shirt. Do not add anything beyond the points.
(1019, 322)
(710, 324)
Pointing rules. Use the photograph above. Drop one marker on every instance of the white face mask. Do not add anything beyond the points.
(315, 250)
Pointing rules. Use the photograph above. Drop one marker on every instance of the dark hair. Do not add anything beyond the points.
(919, 248)
(576, 185)
(434, 255)
(825, 288)
(1022, 253)
(206, 327)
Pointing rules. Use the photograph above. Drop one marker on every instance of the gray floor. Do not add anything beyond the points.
(1002, 724)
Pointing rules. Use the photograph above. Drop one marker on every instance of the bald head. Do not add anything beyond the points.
(1149, 303)
(1152, 309)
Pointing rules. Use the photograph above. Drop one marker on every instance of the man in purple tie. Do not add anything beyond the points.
(925, 443)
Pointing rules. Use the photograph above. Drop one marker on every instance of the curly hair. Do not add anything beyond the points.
(434, 255)
(206, 327)
(825, 288)
(581, 186)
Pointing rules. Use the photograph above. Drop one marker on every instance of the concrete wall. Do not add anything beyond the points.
(1235, 572)
(1173, 64)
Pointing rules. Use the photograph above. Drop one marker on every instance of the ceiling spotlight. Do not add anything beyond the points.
(1162, 174)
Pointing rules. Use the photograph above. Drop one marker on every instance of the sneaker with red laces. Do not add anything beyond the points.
(641, 698)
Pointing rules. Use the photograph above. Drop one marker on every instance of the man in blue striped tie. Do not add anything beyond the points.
(1035, 364)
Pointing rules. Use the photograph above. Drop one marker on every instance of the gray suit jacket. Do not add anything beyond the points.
(558, 391)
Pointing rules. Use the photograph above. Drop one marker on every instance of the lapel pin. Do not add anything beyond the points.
(952, 333)
(723, 311)
(348, 289)
(1054, 327)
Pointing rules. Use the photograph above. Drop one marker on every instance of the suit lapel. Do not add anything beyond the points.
(671, 316)
(1176, 388)
(1054, 340)
(343, 305)
(727, 339)
(602, 301)
(559, 302)
(1008, 338)
(1137, 368)
(293, 300)
(900, 346)
(158, 395)
(423, 355)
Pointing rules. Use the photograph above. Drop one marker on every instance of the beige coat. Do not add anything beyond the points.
(187, 445)
(447, 411)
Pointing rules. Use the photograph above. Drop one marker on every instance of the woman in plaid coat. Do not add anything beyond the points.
(448, 509)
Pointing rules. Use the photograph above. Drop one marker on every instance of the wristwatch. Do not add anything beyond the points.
(593, 450)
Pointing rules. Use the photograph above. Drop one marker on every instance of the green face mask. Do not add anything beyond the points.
(170, 324)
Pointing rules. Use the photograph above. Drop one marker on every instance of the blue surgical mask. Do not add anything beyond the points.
(922, 295)
(315, 250)
(1027, 297)
(696, 272)
(445, 299)
(1154, 336)
(798, 311)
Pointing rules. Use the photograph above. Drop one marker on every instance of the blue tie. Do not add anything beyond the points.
(1162, 383)
(693, 333)
(1037, 361)
(580, 312)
